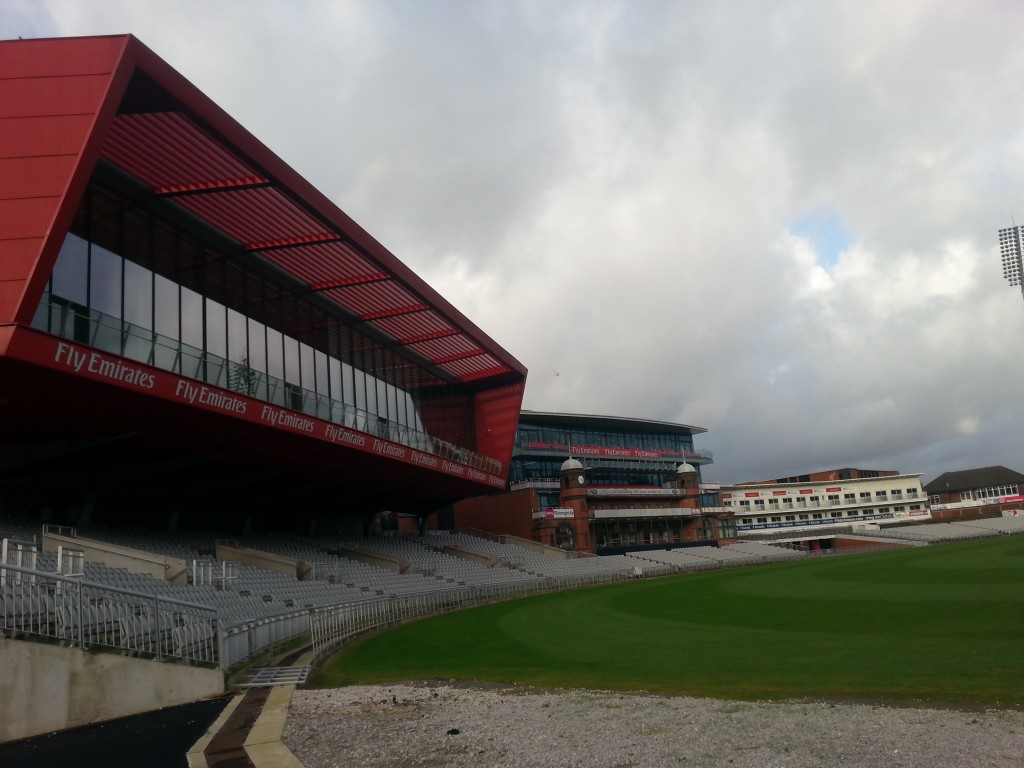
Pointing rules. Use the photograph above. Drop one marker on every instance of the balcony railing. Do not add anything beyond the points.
(109, 334)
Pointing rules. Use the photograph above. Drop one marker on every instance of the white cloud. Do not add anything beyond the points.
(611, 189)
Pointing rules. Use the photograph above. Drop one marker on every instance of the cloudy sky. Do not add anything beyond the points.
(775, 220)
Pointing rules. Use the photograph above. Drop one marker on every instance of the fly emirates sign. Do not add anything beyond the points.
(91, 364)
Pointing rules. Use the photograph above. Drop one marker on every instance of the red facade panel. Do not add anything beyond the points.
(17, 257)
(60, 56)
(26, 218)
(35, 97)
(50, 94)
(47, 135)
(44, 176)
(497, 417)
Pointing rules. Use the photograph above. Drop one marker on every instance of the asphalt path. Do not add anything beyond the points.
(158, 739)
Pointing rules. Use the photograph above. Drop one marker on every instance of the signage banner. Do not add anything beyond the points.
(554, 513)
(614, 453)
(70, 357)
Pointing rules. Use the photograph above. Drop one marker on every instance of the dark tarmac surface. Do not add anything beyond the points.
(158, 739)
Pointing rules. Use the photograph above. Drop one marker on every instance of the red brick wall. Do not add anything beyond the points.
(505, 513)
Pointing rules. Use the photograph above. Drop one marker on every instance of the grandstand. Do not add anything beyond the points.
(964, 530)
(223, 612)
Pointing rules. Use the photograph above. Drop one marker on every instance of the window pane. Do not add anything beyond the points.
(238, 343)
(257, 346)
(371, 393)
(334, 366)
(348, 384)
(306, 365)
(191, 318)
(392, 403)
(138, 295)
(165, 300)
(71, 272)
(105, 282)
(292, 368)
(321, 373)
(360, 381)
(275, 353)
(216, 328)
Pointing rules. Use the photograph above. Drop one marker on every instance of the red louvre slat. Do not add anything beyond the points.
(342, 282)
(169, 153)
(366, 298)
(323, 261)
(428, 336)
(258, 218)
(470, 365)
(406, 310)
(460, 356)
(446, 347)
(486, 374)
(413, 327)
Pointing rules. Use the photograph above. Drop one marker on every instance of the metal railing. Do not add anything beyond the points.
(88, 615)
(332, 627)
(134, 342)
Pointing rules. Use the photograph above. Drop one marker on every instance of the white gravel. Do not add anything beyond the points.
(415, 725)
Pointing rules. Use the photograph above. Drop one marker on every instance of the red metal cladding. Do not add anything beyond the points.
(364, 300)
(46, 135)
(257, 218)
(172, 155)
(51, 95)
(34, 97)
(445, 347)
(60, 56)
(51, 92)
(321, 264)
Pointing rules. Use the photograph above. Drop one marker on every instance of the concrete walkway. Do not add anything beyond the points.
(248, 731)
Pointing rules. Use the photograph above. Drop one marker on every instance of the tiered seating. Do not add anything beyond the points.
(766, 552)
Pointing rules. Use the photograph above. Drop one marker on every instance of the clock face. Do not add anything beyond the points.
(580, 479)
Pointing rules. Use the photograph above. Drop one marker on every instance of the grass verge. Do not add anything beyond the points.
(942, 624)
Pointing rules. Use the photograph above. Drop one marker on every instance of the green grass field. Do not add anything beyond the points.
(940, 624)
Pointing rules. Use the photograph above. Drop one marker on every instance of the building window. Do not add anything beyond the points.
(850, 498)
(880, 495)
(762, 520)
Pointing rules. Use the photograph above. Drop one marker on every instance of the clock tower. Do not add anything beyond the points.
(573, 495)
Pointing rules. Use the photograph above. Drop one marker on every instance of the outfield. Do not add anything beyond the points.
(940, 624)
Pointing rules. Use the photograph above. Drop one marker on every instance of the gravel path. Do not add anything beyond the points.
(447, 725)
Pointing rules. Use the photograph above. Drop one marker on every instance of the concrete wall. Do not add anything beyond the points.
(172, 569)
(297, 569)
(46, 688)
(483, 558)
(379, 559)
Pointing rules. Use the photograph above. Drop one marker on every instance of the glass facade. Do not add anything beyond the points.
(629, 456)
(133, 284)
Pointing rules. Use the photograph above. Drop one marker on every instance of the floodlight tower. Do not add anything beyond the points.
(1010, 246)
